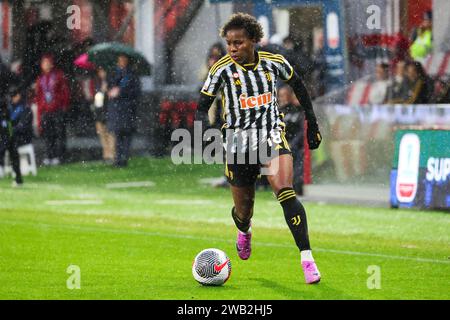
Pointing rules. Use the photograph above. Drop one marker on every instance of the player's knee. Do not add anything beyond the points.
(281, 186)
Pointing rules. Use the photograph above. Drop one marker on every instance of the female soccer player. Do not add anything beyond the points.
(247, 81)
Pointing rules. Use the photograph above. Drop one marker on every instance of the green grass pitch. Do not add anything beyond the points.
(139, 243)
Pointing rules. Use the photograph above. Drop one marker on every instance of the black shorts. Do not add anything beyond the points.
(244, 173)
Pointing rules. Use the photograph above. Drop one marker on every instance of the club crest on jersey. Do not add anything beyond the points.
(255, 101)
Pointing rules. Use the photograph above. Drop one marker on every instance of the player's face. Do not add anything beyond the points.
(240, 47)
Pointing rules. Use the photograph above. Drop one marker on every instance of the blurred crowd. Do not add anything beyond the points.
(408, 83)
(41, 107)
(309, 64)
(400, 78)
(45, 95)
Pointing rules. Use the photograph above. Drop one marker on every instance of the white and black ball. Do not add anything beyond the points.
(211, 267)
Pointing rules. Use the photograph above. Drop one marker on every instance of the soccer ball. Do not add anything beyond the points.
(211, 267)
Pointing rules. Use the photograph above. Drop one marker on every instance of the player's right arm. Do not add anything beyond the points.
(209, 91)
(204, 103)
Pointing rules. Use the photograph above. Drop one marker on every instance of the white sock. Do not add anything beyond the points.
(306, 255)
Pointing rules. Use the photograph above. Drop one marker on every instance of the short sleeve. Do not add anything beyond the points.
(213, 82)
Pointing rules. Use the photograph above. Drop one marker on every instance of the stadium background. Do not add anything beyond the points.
(167, 33)
(353, 165)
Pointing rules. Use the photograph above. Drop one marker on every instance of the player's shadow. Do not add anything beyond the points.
(222, 288)
(320, 291)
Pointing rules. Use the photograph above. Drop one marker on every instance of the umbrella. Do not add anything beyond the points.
(105, 55)
(83, 62)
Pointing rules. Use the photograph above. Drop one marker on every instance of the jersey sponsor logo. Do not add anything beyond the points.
(255, 101)
(408, 168)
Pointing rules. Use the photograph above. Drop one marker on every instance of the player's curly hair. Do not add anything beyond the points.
(244, 21)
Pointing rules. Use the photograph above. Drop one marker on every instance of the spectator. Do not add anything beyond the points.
(398, 90)
(52, 98)
(99, 104)
(293, 51)
(123, 95)
(420, 88)
(300, 61)
(21, 116)
(9, 130)
(273, 45)
(215, 53)
(319, 68)
(8, 142)
(16, 72)
(6, 78)
(294, 118)
(400, 50)
(379, 88)
(422, 38)
(444, 92)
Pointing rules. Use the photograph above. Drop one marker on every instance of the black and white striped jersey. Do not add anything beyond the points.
(249, 91)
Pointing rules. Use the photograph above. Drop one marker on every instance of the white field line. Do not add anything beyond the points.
(378, 255)
(73, 202)
(43, 186)
(210, 180)
(209, 240)
(133, 184)
(185, 202)
(86, 196)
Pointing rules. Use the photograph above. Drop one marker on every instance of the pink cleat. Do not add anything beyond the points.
(312, 274)
(243, 245)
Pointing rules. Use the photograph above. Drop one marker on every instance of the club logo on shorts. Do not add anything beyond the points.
(255, 101)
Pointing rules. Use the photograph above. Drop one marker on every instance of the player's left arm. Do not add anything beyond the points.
(313, 132)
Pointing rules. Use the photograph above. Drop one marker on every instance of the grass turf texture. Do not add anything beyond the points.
(139, 243)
